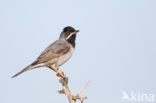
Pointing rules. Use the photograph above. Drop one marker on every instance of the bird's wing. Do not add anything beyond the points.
(55, 50)
(58, 48)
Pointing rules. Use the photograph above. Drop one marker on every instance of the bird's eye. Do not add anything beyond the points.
(68, 32)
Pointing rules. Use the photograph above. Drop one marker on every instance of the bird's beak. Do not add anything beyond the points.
(77, 31)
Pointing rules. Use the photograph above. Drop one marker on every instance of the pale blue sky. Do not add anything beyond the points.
(115, 48)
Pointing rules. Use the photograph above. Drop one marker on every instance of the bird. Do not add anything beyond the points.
(57, 53)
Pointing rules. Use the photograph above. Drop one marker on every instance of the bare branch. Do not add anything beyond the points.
(65, 90)
(82, 89)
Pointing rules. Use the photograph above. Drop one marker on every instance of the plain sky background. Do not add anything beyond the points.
(115, 48)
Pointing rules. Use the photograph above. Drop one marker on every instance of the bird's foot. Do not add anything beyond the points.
(60, 73)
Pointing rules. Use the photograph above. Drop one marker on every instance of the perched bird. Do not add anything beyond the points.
(57, 53)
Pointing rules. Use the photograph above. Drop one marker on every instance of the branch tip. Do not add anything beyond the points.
(65, 90)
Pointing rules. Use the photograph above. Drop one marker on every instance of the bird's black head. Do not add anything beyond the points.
(69, 34)
(68, 30)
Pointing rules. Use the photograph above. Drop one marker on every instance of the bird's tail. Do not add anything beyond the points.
(25, 69)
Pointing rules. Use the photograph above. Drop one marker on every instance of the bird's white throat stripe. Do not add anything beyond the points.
(70, 35)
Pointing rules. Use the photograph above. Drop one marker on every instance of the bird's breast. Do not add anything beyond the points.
(62, 59)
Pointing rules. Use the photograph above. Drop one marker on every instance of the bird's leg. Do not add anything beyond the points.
(58, 72)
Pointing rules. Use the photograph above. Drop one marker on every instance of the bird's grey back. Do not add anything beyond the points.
(54, 51)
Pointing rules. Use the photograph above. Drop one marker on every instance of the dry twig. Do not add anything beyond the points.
(65, 90)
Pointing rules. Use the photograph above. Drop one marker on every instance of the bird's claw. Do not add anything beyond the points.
(60, 74)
